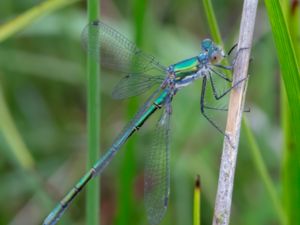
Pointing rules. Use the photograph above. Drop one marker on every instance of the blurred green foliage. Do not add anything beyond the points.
(42, 80)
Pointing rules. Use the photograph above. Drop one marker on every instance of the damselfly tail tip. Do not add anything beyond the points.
(49, 220)
(54, 216)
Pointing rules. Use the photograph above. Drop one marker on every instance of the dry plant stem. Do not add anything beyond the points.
(235, 110)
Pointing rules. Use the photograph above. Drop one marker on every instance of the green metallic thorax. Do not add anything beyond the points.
(186, 67)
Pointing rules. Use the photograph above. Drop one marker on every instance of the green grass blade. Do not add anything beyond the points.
(20, 154)
(93, 123)
(261, 168)
(212, 21)
(13, 137)
(290, 164)
(30, 16)
(288, 63)
(293, 18)
(139, 8)
(291, 114)
(197, 202)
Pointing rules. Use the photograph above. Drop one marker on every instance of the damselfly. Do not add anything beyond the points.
(142, 72)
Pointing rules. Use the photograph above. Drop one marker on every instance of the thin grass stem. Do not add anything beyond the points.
(93, 123)
(235, 111)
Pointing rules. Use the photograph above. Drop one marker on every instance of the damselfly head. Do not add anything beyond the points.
(206, 44)
(216, 55)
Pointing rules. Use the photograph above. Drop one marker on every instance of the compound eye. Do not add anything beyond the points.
(215, 57)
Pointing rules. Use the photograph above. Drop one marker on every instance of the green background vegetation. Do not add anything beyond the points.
(43, 110)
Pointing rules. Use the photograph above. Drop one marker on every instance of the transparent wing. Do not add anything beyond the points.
(117, 52)
(135, 84)
(157, 172)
